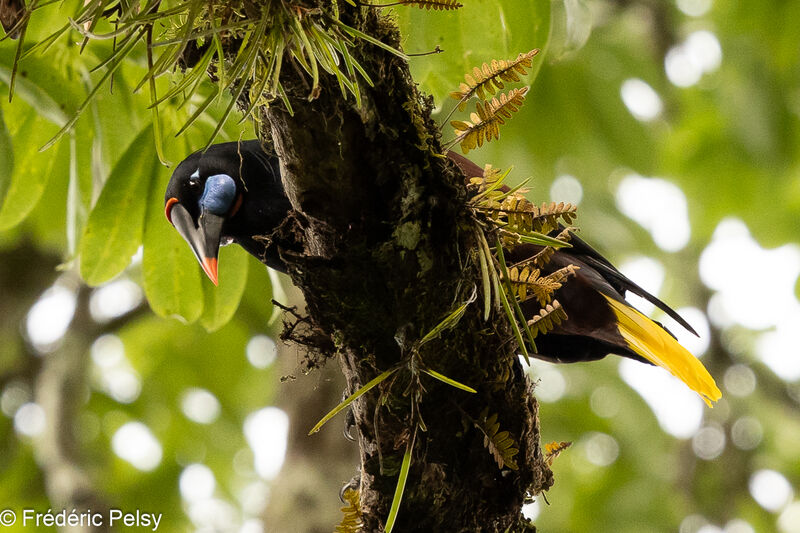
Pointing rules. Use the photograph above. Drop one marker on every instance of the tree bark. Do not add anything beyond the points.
(388, 241)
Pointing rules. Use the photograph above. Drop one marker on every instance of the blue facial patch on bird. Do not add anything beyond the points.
(218, 195)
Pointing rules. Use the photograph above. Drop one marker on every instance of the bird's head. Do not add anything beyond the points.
(229, 193)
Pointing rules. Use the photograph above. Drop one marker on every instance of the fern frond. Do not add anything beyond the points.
(529, 281)
(487, 119)
(489, 78)
(436, 5)
(500, 444)
(351, 519)
(548, 318)
(554, 449)
(521, 215)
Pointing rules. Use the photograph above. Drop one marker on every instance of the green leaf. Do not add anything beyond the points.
(534, 237)
(350, 399)
(172, 279)
(115, 226)
(401, 485)
(31, 173)
(221, 302)
(480, 31)
(486, 283)
(6, 158)
(41, 86)
(449, 321)
(523, 321)
(449, 381)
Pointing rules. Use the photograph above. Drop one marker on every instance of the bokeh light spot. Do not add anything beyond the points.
(737, 525)
(678, 409)
(115, 299)
(261, 351)
(641, 99)
(657, 205)
(566, 188)
(709, 442)
(49, 318)
(30, 420)
(266, 432)
(648, 274)
(770, 489)
(197, 483)
(601, 449)
(789, 519)
(199, 405)
(550, 383)
(15, 395)
(136, 444)
(739, 380)
(694, 8)
(746, 433)
(605, 402)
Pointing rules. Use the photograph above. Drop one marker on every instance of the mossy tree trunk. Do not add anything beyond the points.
(387, 240)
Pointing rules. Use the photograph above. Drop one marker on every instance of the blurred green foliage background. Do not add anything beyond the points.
(672, 124)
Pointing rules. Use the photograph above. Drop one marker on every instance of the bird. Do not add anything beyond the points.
(229, 193)
(232, 193)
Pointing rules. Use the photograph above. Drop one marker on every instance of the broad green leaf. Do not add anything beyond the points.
(6, 158)
(222, 301)
(172, 278)
(31, 172)
(46, 89)
(480, 31)
(115, 226)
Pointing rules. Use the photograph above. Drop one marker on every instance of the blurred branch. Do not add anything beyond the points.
(661, 23)
(59, 378)
(61, 390)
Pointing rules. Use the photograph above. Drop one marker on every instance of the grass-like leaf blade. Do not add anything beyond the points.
(449, 321)
(350, 399)
(449, 381)
(405, 466)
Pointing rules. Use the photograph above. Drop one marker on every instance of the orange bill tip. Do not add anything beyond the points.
(210, 268)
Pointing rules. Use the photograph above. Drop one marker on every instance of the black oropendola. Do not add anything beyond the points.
(232, 192)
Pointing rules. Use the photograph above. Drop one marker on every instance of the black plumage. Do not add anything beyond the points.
(233, 192)
(258, 207)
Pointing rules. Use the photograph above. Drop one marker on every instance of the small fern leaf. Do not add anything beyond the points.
(436, 5)
(554, 449)
(548, 318)
(542, 257)
(351, 513)
(489, 78)
(501, 444)
(528, 281)
(486, 120)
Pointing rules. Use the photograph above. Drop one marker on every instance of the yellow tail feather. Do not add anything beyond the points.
(652, 342)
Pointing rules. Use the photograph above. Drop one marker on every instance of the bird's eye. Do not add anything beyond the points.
(194, 179)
